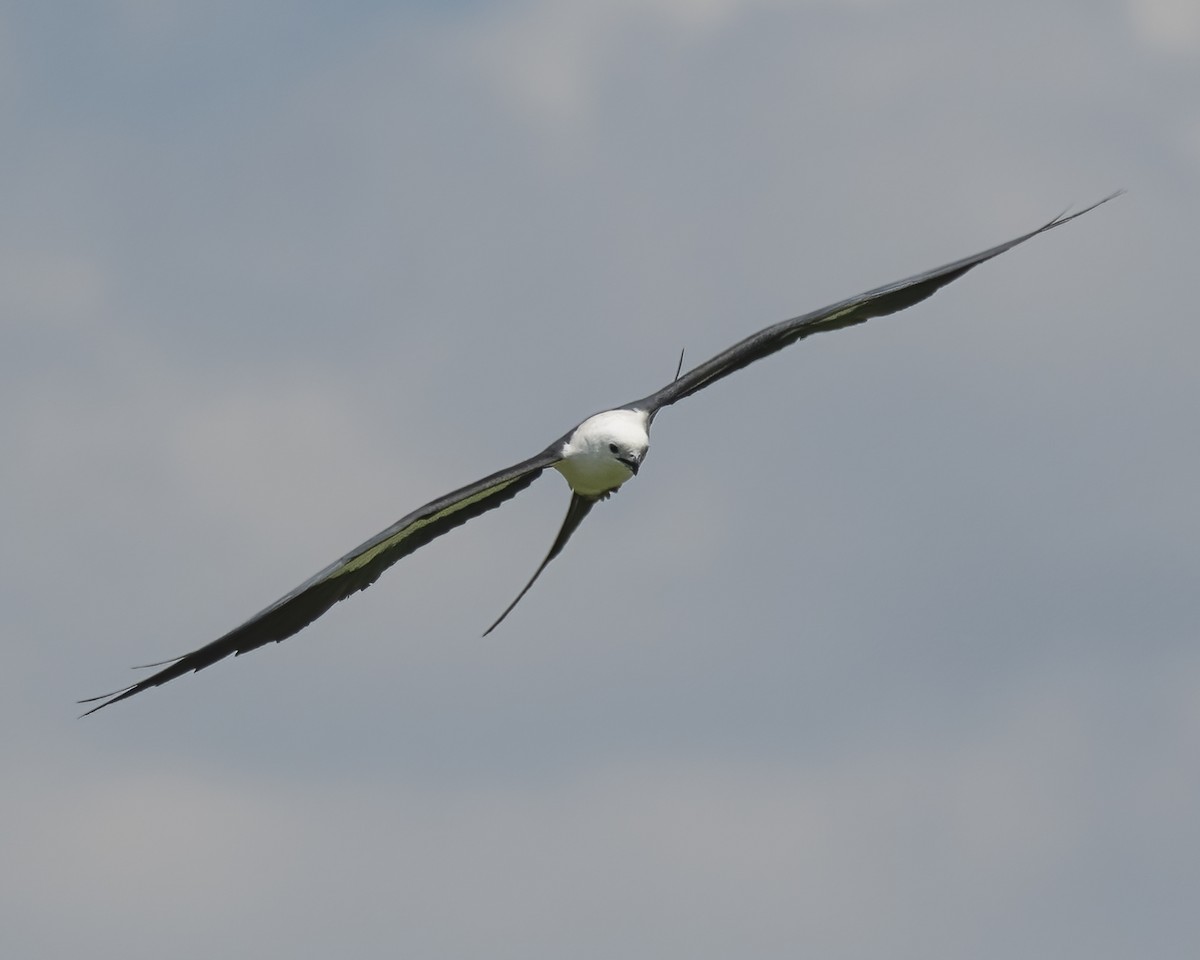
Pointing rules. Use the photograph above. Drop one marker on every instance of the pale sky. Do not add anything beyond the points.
(891, 648)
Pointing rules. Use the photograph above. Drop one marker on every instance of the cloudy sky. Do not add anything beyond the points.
(890, 650)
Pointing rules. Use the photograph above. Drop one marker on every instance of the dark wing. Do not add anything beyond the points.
(873, 303)
(576, 511)
(356, 571)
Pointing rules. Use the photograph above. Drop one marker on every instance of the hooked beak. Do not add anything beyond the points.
(631, 463)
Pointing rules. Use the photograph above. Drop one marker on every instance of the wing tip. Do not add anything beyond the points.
(108, 698)
(124, 692)
(1064, 217)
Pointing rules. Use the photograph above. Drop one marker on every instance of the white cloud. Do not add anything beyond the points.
(59, 290)
(107, 846)
(149, 23)
(694, 856)
(9, 73)
(549, 57)
(1190, 136)
(262, 455)
(1172, 26)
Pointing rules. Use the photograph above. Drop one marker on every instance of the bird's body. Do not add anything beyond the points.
(604, 451)
(595, 458)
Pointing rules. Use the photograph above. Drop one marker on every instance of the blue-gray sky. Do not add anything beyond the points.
(890, 650)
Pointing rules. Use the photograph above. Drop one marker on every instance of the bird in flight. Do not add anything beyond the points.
(595, 458)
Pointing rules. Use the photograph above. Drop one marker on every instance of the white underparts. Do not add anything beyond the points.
(589, 462)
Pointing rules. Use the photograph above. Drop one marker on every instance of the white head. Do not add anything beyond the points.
(604, 451)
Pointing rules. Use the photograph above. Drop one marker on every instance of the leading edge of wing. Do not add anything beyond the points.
(874, 303)
(356, 571)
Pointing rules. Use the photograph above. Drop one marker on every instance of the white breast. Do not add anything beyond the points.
(588, 463)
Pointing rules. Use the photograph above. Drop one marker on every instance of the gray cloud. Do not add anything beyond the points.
(889, 649)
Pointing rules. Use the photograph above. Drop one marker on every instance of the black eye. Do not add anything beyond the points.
(613, 448)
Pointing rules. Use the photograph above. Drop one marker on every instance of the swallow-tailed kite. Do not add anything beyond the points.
(595, 458)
